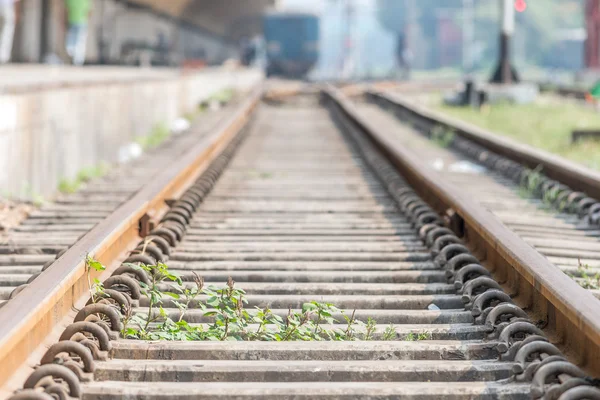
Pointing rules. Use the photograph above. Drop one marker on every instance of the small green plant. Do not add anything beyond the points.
(188, 296)
(350, 332)
(224, 96)
(370, 329)
(230, 317)
(89, 173)
(413, 337)
(225, 307)
(588, 281)
(442, 136)
(531, 180)
(158, 274)
(157, 136)
(550, 196)
(67, 186)
(389, 333)
(96, 288)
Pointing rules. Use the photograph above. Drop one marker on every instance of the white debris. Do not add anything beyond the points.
(438, 164)
(433, 307)
(130, 152)
(180, 125)
(466, 167)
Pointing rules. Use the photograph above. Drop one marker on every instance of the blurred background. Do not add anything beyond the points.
(449, 36)
(168, 56)
(360, 36)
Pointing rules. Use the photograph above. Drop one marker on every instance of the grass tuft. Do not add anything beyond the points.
(545, 124)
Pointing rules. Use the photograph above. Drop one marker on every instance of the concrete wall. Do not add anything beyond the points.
(52, 134)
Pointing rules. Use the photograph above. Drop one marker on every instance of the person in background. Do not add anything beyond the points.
(7, 28)
(78, 15)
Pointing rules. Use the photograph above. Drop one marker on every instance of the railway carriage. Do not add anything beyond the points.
(292, 43)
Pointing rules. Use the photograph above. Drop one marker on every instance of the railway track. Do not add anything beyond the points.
(303, 210)
(559, 221)
(34, 245)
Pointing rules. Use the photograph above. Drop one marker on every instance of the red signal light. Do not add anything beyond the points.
(520, 5)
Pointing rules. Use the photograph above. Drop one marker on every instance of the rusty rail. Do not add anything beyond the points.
(30, 319)
(569, 312)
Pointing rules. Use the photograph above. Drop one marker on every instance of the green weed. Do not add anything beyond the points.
(588, 281)
(85, 175)
(545, 125)
(229, 320)
(442, 136)
(157, 136)
(67, 186)
(389, 333)
(89, 173)
(96, 288)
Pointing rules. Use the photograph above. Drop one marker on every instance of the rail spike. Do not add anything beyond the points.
(448, 253)
(580, 393)
(100, 313)
(72, 355)
(477, 286)
(113, 298)
(501, 316)
(124, 284)
(468, 273)
(91, 335)
(530, 356)
(55, 380)
(485, 302)
(513, 336)
(553, 374)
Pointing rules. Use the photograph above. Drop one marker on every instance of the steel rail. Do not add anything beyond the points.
(29, 319)
(567, 172)
(569, 312)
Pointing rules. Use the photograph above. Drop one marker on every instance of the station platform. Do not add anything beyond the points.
(56, 121)
(27, 77)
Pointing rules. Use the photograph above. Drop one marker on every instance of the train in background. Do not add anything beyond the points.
(292, 43)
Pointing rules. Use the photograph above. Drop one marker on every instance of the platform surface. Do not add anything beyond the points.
(26, 77)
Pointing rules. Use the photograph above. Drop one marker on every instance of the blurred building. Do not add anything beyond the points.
(160, 32)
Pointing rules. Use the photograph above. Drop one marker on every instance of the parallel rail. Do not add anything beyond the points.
(31, 318)
(567, 172)
(537, 285)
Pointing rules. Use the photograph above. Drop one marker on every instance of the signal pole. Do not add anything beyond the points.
(505, 73)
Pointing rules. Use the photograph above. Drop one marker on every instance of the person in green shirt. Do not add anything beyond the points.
(78, 15)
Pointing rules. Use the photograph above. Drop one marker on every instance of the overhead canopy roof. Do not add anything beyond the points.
(222, 17)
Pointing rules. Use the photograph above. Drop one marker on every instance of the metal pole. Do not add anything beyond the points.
(508, 28)
(45, 33)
